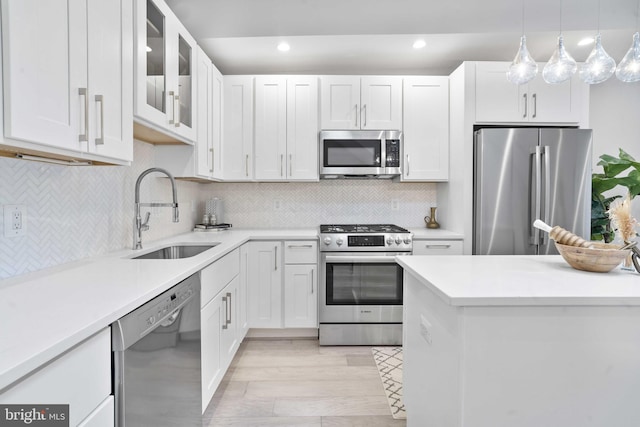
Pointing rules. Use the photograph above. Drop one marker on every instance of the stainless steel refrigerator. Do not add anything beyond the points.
(522, 174)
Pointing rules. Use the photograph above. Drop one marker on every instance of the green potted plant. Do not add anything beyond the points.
(602, 182)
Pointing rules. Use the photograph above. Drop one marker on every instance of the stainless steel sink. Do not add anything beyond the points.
(176, 251)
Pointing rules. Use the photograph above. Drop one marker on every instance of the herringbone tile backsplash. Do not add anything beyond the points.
(79, 212)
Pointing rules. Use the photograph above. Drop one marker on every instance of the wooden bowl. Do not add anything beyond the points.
(602, 258)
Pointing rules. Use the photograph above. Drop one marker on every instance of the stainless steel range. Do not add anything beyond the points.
(361, 284)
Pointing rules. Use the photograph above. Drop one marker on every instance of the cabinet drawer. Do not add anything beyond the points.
(216, 276)
(437, 247)
(81, 378)
(301, 252)
(103, 416)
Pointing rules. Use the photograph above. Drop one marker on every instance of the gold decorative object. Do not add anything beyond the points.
(430, 220)
(600, 258)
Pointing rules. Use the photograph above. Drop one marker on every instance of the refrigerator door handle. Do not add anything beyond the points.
(546, 154)
(536, 185)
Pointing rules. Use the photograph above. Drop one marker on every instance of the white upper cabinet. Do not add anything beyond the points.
(237, 143)
(204, 96)
(67, 78)
(500, 101)
(215, 116)
(165, 92)
(286, 128)
(349, 102)
(426, 129)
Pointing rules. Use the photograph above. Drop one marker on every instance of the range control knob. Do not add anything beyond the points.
(390, 241)
(327, 241)
(407, 240)
(339, 241)
(398, 240)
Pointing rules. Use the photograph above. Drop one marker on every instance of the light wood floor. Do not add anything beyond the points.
(299, 383)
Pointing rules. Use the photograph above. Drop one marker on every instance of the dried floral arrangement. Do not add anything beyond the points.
(624, 224)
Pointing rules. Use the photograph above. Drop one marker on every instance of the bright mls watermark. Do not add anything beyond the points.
(34, 415)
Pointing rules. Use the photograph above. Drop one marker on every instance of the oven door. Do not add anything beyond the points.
(360, 288)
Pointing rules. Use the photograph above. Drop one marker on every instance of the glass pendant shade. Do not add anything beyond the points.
(628, 69)
(523, 68)
(599, 66)
(561, 65)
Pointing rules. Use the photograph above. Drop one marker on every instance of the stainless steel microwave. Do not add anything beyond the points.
(360, 153)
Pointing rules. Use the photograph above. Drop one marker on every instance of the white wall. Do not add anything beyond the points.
(615, 120)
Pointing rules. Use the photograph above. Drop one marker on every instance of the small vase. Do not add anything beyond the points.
(430, 220)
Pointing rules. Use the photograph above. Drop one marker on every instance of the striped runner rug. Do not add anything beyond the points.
(389, 363)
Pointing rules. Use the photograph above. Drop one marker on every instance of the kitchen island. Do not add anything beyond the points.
(519, 341)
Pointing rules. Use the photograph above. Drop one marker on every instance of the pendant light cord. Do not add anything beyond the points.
(561, 17)
(598, 16)
(523, 17)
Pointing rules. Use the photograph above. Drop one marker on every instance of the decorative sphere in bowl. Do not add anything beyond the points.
(600, 258)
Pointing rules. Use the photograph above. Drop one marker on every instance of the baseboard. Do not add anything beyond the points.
(283, 333)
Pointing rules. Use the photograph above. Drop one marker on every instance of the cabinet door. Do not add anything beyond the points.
(110, 67)
(237, 145)
(497, 99)
(229, 341)
(150, 68)
(45, 66)
(437, 247)
(553, 103)
(426, 129)
(301, 296)
(381, 99)
(211, 321)
(270, 128)
(302, 128)
(102, 416)
(216, 122)
(181, 80)
(340, 102)
(203, 145)
(265, 285)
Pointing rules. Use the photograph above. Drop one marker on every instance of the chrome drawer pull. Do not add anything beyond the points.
(437, 246)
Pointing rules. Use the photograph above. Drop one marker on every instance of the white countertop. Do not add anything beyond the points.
(510, 280)
(47, 312)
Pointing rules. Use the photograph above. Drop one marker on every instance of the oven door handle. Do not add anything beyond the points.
(359, 258)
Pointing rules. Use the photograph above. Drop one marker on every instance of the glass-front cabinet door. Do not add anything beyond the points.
(165, 54)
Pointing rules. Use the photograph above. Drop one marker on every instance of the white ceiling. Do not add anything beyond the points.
(376, 36)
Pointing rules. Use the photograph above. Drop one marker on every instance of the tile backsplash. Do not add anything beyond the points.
(79, 212)
(282, 205)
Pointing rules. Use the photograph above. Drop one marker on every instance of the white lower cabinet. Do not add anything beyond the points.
(283, 284)
(81, 378)
(221, 333)
(437, 247)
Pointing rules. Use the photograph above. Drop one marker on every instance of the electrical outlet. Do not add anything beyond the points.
(425, 330)
(15, 220)
(395, 205)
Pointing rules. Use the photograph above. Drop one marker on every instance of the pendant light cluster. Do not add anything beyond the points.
(597, 68)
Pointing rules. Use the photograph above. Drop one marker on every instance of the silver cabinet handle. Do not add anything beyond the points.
(535, 105)
(275, 259)
(364, 108)
(525, 105)
(172, 94)
(226, 312)
(246, 165)
(176, 110)
(85, 136)
(290, 165)
(437, 246)
(212, 160)
(230, 306)
(356, 107)
(299, 246)
(281, 163)
(312, 281)
(100, 100)
(408, 165)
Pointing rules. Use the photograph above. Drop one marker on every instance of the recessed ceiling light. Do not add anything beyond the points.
(284, 47)
(586, 41)
(419, 44)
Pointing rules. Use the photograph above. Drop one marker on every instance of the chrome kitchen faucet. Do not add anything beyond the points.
(144, 226)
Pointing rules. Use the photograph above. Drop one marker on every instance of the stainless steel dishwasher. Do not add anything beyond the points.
(156, 352)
